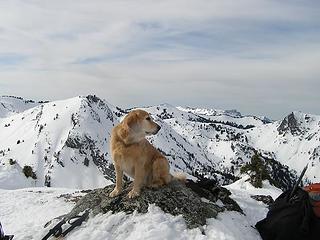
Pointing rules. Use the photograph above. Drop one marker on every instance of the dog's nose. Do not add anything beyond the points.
(158, 128)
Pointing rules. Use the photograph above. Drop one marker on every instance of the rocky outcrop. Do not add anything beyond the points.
(289, 123)
(175, 198)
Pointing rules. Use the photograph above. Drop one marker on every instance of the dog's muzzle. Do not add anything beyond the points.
(155, 131)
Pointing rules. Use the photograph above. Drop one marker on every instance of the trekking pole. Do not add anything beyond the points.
(295, 188)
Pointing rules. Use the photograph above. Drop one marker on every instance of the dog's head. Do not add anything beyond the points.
(138, 124)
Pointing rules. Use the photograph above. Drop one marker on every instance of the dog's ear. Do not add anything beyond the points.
(131, 120)
(128, 124)
(124, 133)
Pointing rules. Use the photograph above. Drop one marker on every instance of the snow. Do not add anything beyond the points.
(157, 225)
(24, 213)
(11, 177)
(254, 210)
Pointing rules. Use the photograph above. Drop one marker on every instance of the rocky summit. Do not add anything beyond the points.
(175, 198)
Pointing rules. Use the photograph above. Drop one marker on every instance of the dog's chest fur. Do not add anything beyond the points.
(131, 156)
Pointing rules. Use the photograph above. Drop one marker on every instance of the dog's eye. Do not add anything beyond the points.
(148, 119)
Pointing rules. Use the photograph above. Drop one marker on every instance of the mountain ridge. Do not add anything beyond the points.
(66, 142)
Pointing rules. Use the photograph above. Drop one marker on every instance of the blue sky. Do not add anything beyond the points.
(258, 56)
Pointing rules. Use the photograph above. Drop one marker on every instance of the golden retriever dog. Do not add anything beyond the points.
(134, 155)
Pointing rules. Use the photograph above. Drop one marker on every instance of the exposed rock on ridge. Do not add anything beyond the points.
(176, 199)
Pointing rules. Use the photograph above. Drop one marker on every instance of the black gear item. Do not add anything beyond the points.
(57, 230)
(4, 237)
(290, 219)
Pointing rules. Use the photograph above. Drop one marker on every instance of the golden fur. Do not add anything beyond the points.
(135, 156)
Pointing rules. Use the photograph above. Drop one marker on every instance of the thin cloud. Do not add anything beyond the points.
(224, 54)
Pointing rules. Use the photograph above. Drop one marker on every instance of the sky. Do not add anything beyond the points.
(260, 57)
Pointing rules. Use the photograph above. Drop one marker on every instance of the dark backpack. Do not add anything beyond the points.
(290, 219)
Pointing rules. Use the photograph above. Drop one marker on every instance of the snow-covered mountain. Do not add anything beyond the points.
(66, 143)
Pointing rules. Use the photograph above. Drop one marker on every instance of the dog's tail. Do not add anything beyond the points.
(181, 177)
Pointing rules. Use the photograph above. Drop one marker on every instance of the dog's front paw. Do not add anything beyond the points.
(133, 194)
(114, 193)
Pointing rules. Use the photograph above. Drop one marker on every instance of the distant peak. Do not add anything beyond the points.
(18, 98)
(265, 119)
(167, 105)
(302, 117)
(93, 98)
(211, 112)
(233, 112)
(294, 123)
